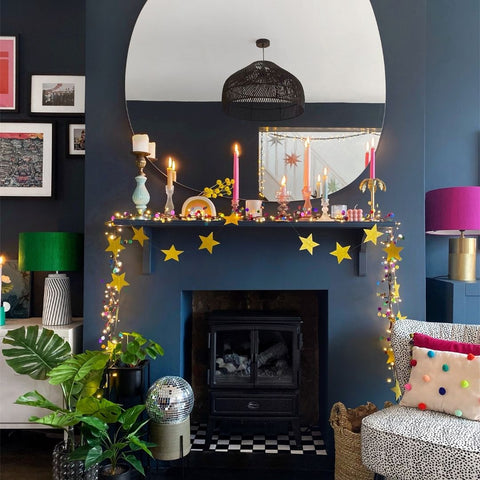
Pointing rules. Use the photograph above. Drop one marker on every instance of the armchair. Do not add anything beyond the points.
(406, 443)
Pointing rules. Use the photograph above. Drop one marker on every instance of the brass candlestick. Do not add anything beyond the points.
(372, 184)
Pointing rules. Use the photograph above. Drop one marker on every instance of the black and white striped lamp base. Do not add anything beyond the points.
(57, 309)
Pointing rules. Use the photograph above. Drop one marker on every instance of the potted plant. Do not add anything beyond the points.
(129, 356)
(46, 356)
(115, 444)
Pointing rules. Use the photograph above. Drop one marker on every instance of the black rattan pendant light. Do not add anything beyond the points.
(263, 91)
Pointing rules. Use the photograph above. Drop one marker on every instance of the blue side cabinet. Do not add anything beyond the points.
(452, 301)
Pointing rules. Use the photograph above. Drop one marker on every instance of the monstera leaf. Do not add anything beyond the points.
(34, 354)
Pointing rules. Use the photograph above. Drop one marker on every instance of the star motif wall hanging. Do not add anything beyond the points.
(341, 253)
(232, 218)
(308, 244)
(172, 253)
(208, 242)
(292, 160)
(139, 235)
(372, 234)
(114, 245)
(393, 252)
(118, 282)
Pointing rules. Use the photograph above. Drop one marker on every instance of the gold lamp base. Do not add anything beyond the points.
(462, 259)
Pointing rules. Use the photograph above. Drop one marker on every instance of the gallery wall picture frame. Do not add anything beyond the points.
(26, 153)
(76, 139)
(8, 73)
(57, 94)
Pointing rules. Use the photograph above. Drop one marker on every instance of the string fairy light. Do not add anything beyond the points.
(389, 308)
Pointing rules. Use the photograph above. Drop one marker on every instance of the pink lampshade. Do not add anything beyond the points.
(450, 210)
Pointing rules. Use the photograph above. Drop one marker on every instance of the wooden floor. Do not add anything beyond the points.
(27, 454)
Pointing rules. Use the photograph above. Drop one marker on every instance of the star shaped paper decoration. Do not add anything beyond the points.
(232, 218)
(400, 316)
(396, 390)
(372, 234)
(393, 252)
(292, 160)
(275, 140)
(390, 357)
(341, 253)
(139, 235)
(308, 243)
(208, 242)
(172, 253)
(114, 245)
(396, 289)
(118, 282)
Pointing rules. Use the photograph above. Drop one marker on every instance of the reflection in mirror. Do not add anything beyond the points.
(335, 152)
(173, 89)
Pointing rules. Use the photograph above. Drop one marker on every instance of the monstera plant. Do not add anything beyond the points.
(43, 355)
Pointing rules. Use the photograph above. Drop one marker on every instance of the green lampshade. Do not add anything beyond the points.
(50, 251)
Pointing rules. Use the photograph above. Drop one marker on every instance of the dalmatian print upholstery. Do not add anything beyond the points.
(405, 443)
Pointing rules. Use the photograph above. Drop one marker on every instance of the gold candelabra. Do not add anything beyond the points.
(372, 184)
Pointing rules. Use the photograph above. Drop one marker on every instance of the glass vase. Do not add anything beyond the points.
(65, 469)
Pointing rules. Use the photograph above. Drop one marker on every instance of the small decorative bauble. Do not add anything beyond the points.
(169, 400)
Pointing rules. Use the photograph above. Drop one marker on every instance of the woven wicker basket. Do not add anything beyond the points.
(346, 424)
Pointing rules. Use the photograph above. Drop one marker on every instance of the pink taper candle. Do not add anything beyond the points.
(372, 160)
(306, 165)
(235, 176)
(366, 154)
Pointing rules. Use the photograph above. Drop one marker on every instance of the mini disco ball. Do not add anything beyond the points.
(169, 400)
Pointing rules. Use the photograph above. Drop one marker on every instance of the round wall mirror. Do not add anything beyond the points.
(179, 58)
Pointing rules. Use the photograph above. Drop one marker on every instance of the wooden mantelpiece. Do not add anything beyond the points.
(149, 225)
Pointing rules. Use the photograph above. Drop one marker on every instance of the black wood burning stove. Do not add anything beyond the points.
(254, 371)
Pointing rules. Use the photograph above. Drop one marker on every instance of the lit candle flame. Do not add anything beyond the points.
(2, 260)
(236, 149)
(325, 171)
(169, 162)
(284, 180)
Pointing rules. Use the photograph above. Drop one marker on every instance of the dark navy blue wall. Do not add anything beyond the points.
(153, 304)
(50, 42)
(452, 141)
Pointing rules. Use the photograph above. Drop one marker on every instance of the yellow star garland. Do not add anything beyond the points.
(392, 251)
(208, 242)
(308, 243)
(341, 253)
(114, 245)
(372, 234)
(390, 356)
(396, 390)
(232, 218)
(139, 235)
(118, 282)
(172, 253)
(400, 316)
(396, 289)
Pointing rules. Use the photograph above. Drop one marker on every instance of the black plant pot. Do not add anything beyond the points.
(128, 473)
(127, 382)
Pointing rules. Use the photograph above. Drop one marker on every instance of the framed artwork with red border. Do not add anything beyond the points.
(8, 73)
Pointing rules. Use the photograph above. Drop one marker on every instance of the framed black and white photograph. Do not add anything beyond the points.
(76, 139)
(26, 159)
(58, 94)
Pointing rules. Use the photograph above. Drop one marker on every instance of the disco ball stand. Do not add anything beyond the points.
(169, 404)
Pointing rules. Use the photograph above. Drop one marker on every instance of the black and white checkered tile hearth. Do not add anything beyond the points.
(312, 443)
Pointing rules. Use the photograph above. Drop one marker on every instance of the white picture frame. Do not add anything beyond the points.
(26, 159)
(57, 94)
(76, 139)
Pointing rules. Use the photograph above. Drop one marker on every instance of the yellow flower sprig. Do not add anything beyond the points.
(219, 189)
